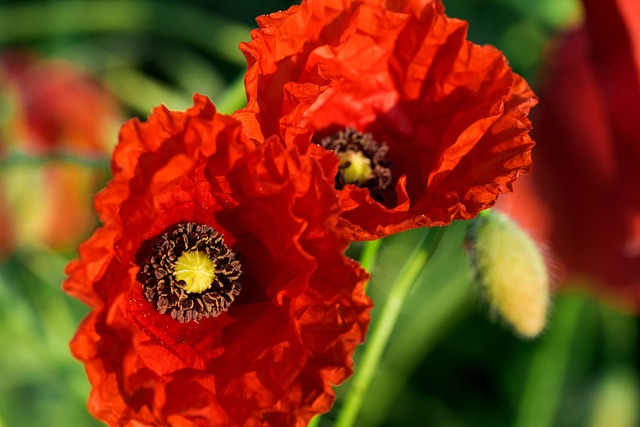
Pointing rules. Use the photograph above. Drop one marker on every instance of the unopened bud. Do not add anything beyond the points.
(512, 272)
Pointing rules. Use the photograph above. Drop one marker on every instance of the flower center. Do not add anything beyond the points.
(197, 271)
(363, 161)
(190, 273)
(355, 167)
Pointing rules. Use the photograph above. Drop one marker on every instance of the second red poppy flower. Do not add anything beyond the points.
(417, 125)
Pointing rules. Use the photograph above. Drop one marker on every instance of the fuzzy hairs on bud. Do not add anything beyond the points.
(512, 272)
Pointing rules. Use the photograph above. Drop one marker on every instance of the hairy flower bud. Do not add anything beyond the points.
(512, 272)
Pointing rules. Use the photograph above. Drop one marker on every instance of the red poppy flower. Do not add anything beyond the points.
(219, 290)
(438, 124)
(56, 109)
(583, 197)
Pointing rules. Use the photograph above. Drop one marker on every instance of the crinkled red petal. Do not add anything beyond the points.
(453, 113)
(302, 310)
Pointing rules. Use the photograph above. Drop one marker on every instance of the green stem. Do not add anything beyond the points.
(368, 257)
(412, 344)
(369, 254)
(21, 22)
(544, 385)
(382, 329)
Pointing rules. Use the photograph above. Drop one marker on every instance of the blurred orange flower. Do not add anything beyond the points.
(438, 124)
(56, 112)
(583, 198)
(270, 336)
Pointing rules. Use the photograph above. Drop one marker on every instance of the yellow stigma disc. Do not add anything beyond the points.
(359, 169)
(196, 269)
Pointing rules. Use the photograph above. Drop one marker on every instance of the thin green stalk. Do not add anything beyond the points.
(369, 254)
(381, 331)
(544, 385)
(411, 345)
(368, 257)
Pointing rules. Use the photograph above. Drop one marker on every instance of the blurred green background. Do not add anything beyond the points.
(447, 365)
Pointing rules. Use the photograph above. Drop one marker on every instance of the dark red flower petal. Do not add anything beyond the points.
(453, 113)
(288, 336)
(583, 198)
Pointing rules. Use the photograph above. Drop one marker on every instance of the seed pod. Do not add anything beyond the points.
(511, 271)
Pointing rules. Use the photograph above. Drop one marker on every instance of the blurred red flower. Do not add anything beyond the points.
(287, 336)
(583, 197)
(58, 107)
(396, 76)
(56, 110)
